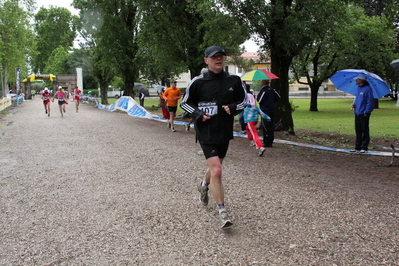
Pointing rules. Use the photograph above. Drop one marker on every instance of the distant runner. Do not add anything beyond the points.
(46, 101)
(76, 96)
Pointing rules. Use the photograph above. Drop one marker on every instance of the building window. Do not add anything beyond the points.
(239, 70)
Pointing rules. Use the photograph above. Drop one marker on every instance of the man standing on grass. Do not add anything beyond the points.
(363, 106)
(213, 99)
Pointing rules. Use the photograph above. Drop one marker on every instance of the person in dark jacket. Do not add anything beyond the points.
(213, 99)
(266, 98)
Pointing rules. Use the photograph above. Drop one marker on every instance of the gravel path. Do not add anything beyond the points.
(102, 188)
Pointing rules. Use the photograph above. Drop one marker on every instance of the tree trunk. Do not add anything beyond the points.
(376, 104)
(104, 92)
(280, 67)
(314, 90)
(129, 85)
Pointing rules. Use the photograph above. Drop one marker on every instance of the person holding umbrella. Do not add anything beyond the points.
(363, 105)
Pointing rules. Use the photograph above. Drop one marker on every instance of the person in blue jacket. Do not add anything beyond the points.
(363, 105)
(251, 113)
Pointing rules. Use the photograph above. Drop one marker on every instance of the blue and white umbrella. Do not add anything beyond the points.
(345, 81)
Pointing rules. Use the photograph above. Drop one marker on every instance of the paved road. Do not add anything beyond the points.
(102, 188)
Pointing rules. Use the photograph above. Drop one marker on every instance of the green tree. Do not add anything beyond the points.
(54, 27)
(16, 43)
(175, 36)
(283, 28)
(58, 62)
(345, 44)
(115, 36)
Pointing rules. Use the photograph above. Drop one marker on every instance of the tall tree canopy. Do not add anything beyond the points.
(176, 35)
(54, 27)
(345, 44)
(284, 28)
(116, 36)
(16, 43)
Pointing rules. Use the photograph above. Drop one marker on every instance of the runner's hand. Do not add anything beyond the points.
(227, 109)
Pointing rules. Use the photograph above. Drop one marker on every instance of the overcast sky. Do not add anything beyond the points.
(250, 46)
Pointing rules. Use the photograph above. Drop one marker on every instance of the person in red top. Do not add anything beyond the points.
(46, 101)
(76, 97)
(171, 96)
(62, 99)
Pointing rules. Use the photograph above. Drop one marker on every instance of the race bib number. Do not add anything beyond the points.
(208, 107)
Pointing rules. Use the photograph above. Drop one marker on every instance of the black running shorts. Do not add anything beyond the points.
(212, 150)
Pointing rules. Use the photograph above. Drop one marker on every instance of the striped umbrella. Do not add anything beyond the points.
(258, 75)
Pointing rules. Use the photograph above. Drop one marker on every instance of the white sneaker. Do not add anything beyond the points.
(252, 143)
(204, 193)
(168, 125)
(173, 129)
(187, 127)
(261, 151)
(224, 217)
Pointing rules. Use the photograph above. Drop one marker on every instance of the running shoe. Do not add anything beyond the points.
(261, 151)
(173, 129)
(252, 143)
(168, 125)
(187, 127)
(224, 217)
(204, 193)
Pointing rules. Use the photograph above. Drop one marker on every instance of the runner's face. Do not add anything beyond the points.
(215, 62)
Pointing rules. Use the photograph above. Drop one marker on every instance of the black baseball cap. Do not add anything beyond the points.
(212, 50)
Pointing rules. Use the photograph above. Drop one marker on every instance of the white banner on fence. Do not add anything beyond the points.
(129, 105)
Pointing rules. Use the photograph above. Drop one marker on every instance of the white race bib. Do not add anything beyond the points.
(208, 107)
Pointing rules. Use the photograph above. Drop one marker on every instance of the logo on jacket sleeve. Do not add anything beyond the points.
(231, 89)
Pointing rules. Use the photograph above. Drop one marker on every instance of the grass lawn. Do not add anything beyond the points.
(334, 116)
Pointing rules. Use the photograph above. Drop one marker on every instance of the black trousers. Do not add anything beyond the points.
(268, 130)
(362, 132)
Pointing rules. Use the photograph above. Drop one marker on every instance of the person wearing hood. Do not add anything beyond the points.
(362, 107)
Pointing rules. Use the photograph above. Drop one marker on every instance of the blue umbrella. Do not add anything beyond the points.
(345, 81)
(395, 64)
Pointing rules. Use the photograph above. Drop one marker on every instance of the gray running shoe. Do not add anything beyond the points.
(187, 127)
(252, 143)
(168, 125)
(204, 193)
(173, 129)
(224, 217)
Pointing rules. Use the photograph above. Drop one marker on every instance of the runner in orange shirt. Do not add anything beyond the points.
(171, 96)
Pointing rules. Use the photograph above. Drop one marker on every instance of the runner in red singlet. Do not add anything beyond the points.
(46, 101)
(76, 96)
